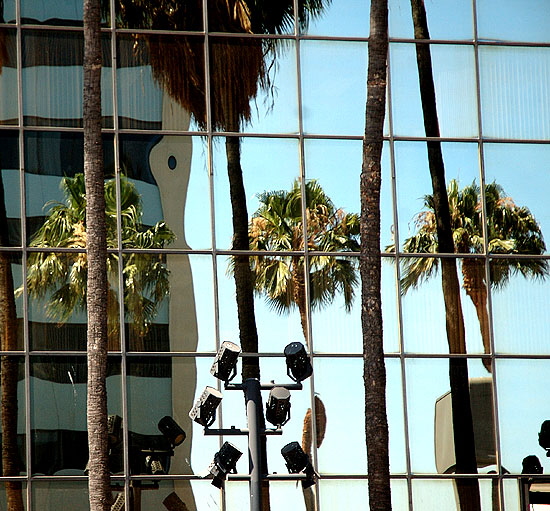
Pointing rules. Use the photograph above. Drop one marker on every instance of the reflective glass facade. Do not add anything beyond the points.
(181, 91)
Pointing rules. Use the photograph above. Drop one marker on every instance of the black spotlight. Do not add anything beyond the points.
(297, 461)
(225, 364)
(277, 408)
(544, 437)
(531, 465)
(171, 430)
(297, 362)
(204, 410)
(225, 461)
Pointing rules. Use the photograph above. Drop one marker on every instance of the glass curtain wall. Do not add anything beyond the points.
(196, 94)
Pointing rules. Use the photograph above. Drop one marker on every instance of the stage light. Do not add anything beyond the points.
(118, 504)
(204, 410)
(277, 408)
(171, 430)
(297, 361)
(531, 465)
(154, 465)
(114, 430)
(544, 437)
(225, 364)
(225, 461)
(297, 461)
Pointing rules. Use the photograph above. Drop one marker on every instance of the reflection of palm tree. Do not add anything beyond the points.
(277, 225)
(61, 277)
(238, 68)
(463, 428)
(510, 229)
(9, 368)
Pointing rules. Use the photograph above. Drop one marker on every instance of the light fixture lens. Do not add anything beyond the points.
(204, 410)
(171, 430)
(225, 364)
(297, 361)
(277, 408)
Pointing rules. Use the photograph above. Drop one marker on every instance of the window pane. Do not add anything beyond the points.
(50, 158)
(145, 15)
(447, 19)
(170, 175)
(441, 495)
(514, 92)
(13, 419)
(52, 61)
(501, 164)
(429, 404)
(10, 208)
(455, 87)
(260, 175)
(413, 183)
(59, 439)
(334, 94)
(9, 112)
(54, 495)
(521, 409)
(152, 92)
(335, 20)
(499, 20)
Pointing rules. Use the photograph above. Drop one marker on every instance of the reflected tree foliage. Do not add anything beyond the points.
(60, 278)
(278, 225)
(511, 229)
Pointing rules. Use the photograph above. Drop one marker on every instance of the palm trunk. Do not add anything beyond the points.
(299, 292)
(374, 371)
(244, 284)
(9, 365)
(9, 368)
(97, 285)
(468, 489)
(473, 276)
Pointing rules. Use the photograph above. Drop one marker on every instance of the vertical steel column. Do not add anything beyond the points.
(253, 400)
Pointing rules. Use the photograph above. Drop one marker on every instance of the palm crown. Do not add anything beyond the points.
(61, 277)
(278, 225)
(511, 229)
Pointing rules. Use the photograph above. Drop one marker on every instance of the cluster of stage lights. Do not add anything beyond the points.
(277, 410)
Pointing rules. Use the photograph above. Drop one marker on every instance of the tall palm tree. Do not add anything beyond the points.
(278, 225)
(96, 250)
(374, 369)
(511, 229)
(463, 428)
(238, 70)
(61, 278)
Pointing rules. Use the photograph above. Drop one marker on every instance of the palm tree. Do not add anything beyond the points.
(278, 225)
(463, 428)
(96, 250)
(9, 365)
(511, 229)
(61, 277)
(374, 369)
(238, 70)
